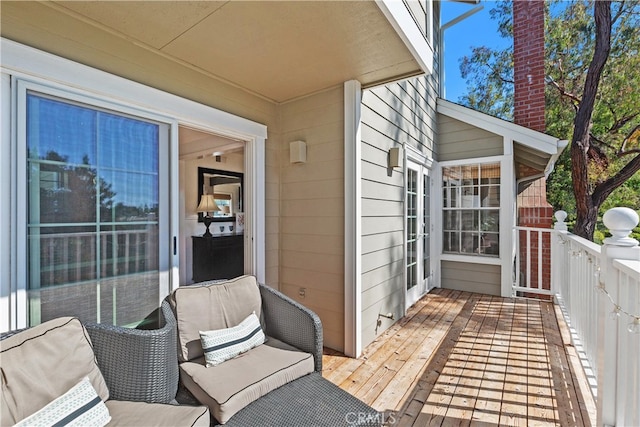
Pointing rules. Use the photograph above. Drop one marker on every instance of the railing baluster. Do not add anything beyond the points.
(528, 258)
(540, 260)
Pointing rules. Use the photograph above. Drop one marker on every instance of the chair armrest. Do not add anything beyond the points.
(138, 364)
(293, 323)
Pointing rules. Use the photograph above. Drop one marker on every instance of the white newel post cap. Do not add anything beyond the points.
(560, 224)
(620, 222)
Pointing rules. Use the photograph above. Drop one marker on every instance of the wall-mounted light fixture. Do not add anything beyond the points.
(395, 157)
(298, 152)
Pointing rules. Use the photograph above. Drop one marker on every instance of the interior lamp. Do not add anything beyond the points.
(207, 204)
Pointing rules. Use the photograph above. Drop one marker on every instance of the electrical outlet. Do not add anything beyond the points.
(302, 292)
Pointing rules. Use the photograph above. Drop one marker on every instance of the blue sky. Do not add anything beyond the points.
(477, 30)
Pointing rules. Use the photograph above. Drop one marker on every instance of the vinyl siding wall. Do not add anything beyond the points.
(458, 140)
(471, 277)
(399, 114)
(312, 209)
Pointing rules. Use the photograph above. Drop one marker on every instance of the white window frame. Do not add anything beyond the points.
(505, 197)
(32, 65)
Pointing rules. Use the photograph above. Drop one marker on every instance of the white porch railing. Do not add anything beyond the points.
(598, 289)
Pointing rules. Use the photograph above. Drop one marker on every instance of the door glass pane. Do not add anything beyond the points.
(93, 198)
(412, 226)
(426, 221)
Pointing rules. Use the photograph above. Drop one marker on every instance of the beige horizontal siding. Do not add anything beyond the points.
(311, 209)
(470, 277)
(458, 140)
(399, 114)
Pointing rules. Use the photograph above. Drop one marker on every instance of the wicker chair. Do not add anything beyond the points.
(293, 323)
(138, 364)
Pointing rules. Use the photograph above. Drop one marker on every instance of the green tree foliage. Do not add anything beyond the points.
(602, 103)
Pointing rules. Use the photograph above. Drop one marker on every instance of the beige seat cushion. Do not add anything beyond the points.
(42, 363)
(232, 385)
(129, 414)
(217, 306)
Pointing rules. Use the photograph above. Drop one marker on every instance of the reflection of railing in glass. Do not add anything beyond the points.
(70, 257)
(119, 286)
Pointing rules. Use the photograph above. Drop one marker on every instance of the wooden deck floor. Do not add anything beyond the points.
(459, 358)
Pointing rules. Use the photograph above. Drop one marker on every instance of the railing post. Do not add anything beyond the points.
(620, 222)
(558, 264)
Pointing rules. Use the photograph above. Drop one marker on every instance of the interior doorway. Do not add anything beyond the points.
(208, 164)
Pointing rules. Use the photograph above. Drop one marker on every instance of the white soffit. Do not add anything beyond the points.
(278, 50)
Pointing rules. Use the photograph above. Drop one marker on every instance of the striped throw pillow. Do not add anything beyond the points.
(224, 344)
(80, 406)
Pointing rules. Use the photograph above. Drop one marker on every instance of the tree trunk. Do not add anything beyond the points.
(587, 210)
(586, 222)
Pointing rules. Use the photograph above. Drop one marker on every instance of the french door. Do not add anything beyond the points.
(419, 270)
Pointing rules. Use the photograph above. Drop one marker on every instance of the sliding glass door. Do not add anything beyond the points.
(96, 210)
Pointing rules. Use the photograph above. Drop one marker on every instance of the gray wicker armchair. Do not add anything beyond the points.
(293, 323)
(138, 364)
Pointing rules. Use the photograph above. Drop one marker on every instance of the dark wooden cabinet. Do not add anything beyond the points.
(218, 257)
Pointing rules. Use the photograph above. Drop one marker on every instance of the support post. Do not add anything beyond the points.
(620, 222)
(558, 253)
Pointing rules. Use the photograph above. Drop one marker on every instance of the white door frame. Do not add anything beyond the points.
(423, 166)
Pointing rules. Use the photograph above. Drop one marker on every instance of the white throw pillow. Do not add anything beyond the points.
(224, 344)
(80, 406)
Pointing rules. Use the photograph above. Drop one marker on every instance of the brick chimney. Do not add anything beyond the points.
(528, 63)
(528, 72)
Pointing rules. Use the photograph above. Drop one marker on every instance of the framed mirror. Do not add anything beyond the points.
(226, 187)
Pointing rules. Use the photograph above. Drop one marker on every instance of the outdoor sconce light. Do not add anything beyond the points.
(395, 157)
(297, 152)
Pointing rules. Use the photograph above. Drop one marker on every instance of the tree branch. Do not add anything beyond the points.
(619, 12)
(618, 124)
(628, 152)
(602, 190)
(563, 92)
(623, 151)
(601, 142)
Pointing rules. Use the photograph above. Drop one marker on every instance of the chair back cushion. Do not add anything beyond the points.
(212, 306)
(42, 363)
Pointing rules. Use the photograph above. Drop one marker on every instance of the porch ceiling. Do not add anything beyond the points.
(279, 50)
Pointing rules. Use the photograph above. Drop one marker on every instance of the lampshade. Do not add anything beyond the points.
(207, 204)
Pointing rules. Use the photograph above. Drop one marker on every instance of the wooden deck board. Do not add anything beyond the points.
(463, 359)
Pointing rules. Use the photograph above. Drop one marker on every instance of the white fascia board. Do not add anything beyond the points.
(400, 18)
(19, 59)
(520, 134)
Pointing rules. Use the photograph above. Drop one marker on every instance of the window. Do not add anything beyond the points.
(471, 209)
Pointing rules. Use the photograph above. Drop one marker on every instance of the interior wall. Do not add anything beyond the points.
(312, 209)
(189, 224)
